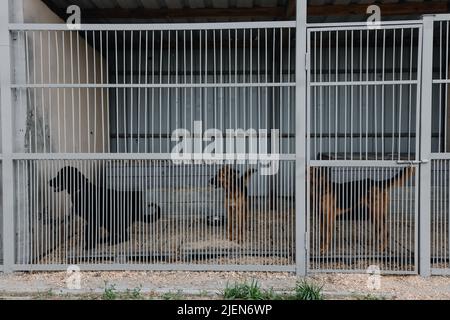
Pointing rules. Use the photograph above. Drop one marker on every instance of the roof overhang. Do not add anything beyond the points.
(118, 11)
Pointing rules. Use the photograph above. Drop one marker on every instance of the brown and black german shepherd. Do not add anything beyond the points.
(236, 198)
(335, 199)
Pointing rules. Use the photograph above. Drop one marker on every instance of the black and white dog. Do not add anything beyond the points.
(112, 210)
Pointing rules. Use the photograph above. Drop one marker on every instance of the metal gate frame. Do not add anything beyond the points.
(302, 86)
(429, 81)
(9, 156)
(420, 162)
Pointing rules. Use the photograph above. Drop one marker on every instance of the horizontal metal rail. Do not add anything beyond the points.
(150, 27)
(363, 83)
(440, 156)
(157, 267)
(146, 156)
(441, 81)
(354, 163)
(364, 25)
(149, 85)
(441, 17)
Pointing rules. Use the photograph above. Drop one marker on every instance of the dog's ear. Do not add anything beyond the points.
(228, 168)
(59, 182)
(247, 175)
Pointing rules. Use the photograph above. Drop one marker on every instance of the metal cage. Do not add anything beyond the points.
(107, 109)
(145, 147)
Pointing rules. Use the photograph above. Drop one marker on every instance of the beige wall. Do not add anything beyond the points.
(72, 119)
(52, 114)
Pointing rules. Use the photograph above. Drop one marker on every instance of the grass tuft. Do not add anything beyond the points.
(173, 295)
(134, 294)
(110, 292)
(305, 290)
(248, 291)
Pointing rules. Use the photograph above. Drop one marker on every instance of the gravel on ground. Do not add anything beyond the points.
(334, 285)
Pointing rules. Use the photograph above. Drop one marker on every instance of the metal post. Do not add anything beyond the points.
(300, 144)
(425, 149)
(6, 117)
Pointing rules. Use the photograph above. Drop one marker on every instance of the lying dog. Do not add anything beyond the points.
(112, 210)
(336, 199)
(236, 199)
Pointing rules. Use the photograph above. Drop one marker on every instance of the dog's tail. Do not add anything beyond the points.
(246, 176)
(400, 178)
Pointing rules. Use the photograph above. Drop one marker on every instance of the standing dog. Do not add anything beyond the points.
(335, 199)
(236, 199)
(112, 210)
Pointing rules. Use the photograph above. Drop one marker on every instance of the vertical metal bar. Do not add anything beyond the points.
(375, 78)
(130, 114)
(446, 85)
(102, 96)
(360, 92)
(107, 134)
(425, 147)
(336, 97)
(400, 95)
(320, 104)
(139, 75)
(330, 90)
(160, 90)
(367, 95)
(434, 249)
(411, 49)
(28, 80)
(124, 90)
(393, 97)
(94, 58)
(440, 148)
(446, 212)
(87, 94)
(383, 68)
(146, 132)
(80, 145)
(300, 143)
(41, 69)
(345, 92)
(116, 67)
(311, 224)
(33, 43)
(154, 64)
(7, 139)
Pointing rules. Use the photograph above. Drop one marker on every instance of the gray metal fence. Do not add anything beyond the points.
(108, 107)
(148, 213)
(92, 118)
(363, 127)
(440, 211)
